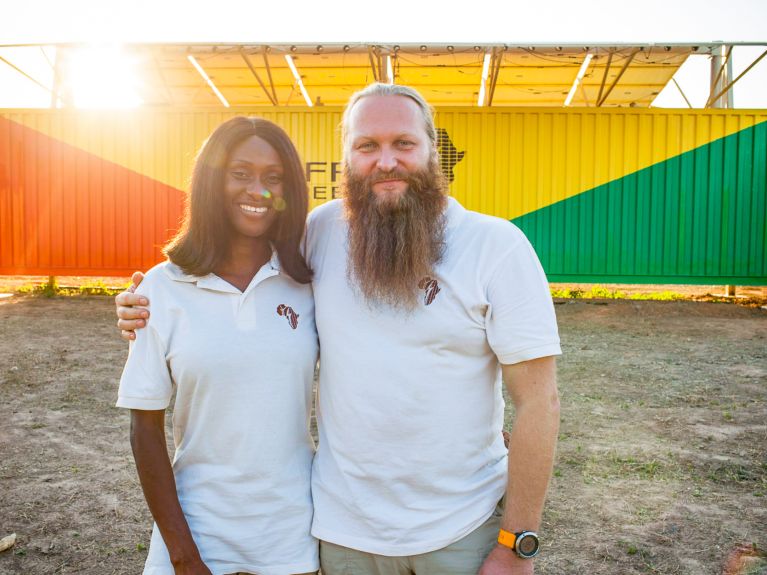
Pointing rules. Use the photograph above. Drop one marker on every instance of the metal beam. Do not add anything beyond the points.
(258, 78)
(715, 85)
(23, 73)
(374, 63)
(729, 98)
(618, 77)
(163, 80)
(604, 77)
(360, 47)
(678, 87)
(208, 80)
(269, 75)
(299, 81)
(56, 80)
(743, 73)
(381, 64)
(583, 93)
(495, 69)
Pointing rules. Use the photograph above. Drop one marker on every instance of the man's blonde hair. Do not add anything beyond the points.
(379, 89)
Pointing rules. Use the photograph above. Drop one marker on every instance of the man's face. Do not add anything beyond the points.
(394, 200)
(387, 141)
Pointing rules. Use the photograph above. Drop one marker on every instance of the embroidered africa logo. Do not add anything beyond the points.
(289, 314)
(430, 288)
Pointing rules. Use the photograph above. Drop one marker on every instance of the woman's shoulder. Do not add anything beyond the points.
(163, 277)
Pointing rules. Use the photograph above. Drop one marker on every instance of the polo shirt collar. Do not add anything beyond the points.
(215, 283)
(454, 213)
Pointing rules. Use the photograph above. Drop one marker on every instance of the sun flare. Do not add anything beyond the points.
(103, 77)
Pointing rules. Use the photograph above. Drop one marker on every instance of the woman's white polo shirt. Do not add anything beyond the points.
(241, 365)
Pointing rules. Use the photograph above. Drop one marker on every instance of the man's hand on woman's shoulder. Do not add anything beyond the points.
(129, 313)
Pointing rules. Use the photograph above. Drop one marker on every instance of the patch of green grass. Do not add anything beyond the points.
(48, 289)
(632, 466)
(610, 466)
(659, 296)
(567, 293)
(601, 292)
(604, 293)
(98, 287)
(52, 289)
(731, 472)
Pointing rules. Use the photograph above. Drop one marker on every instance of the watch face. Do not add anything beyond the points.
(527, 545)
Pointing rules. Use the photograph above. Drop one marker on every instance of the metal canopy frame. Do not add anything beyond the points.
(447, 75)
(253, 70)
(713, 98)
(626, 64)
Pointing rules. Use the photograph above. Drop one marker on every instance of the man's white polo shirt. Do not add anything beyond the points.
(242, 365)
(410, 413)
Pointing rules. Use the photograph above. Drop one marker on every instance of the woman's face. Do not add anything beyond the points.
(253, 187)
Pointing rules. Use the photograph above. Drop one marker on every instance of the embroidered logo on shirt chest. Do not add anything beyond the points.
(430, 287)
(290, 315)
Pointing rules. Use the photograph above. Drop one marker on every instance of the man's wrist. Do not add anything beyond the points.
(509, 557)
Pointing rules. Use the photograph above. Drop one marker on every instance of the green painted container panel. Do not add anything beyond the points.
(696, 218)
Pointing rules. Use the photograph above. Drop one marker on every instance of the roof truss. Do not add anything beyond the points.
(447, 75)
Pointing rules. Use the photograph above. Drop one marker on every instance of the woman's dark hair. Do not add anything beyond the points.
(204, 239)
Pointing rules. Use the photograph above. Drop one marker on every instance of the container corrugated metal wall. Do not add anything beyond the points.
(99, 193)
(609, 195)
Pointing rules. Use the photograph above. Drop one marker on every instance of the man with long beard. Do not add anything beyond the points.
(422, 309)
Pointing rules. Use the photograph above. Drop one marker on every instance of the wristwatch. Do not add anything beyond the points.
(525, 543)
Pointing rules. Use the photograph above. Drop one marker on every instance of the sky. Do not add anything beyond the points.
(392, 20)
(402, 21)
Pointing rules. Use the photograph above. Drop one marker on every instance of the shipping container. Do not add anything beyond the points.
(618, 195)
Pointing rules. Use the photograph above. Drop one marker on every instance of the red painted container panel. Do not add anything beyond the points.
(66, 211)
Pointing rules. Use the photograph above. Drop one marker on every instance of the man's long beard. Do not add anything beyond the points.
(395, 242)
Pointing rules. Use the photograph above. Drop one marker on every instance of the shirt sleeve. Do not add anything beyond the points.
(146, 382)
(521, 323)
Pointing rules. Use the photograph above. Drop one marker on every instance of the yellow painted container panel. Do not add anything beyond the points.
(515, 160)
(99, 192)
(518, 161)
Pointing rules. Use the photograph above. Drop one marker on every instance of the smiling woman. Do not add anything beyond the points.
(233, 333)
(247, 189)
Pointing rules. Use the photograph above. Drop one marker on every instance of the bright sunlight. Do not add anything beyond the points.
(102, 76)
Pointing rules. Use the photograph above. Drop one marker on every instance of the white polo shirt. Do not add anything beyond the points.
(411, 456)
(242, 365)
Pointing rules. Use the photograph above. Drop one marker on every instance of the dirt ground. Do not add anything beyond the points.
(662, 462)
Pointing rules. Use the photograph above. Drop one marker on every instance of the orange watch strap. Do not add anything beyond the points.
(507, 539)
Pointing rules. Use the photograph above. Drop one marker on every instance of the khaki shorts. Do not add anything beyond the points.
(464, 557)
